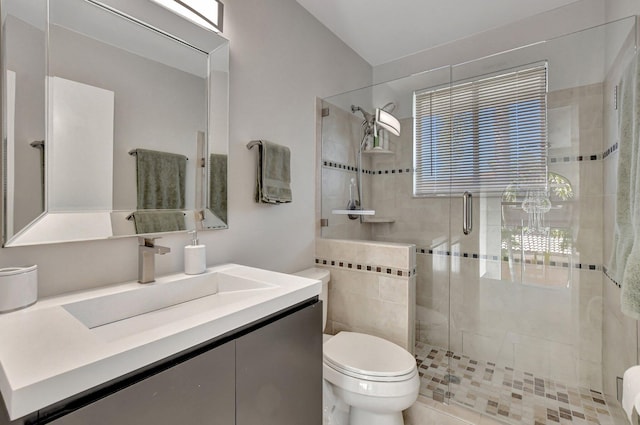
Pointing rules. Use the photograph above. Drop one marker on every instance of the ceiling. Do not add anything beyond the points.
(384, 30)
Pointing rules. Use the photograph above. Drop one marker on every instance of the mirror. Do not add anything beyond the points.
(115, 121)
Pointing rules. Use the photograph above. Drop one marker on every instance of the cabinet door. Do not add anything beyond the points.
(279, 371)
(198, 391)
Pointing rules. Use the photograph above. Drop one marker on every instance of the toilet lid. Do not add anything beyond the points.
(368, 356)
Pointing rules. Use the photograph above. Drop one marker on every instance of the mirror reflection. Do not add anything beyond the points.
(112, 127)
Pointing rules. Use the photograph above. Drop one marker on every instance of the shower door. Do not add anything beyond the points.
(526, 282)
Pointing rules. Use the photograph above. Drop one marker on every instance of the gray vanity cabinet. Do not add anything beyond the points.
(267, 373)
(279, 371)
(197, 391)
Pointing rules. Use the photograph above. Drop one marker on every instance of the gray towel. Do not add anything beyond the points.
(273, 180)
(161, 179)
(625, 259)
(158, 221)
(218, 185)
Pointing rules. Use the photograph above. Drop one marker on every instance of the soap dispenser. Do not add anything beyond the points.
(195, 256)
(353, 204)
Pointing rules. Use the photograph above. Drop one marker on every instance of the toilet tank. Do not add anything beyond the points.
(322, 275)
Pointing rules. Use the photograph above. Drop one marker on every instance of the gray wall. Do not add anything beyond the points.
(25, 56)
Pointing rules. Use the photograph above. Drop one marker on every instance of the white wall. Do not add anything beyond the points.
(616, 9)
(281, 60)
(564, 20)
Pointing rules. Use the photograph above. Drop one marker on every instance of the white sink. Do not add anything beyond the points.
(146, 298)
(64, 345)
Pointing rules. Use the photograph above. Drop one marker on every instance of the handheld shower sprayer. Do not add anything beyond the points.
(381, 118)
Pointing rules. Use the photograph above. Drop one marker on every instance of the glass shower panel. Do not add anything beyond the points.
(526, 284)
(374, 167)
(341, 179)
(386, 187)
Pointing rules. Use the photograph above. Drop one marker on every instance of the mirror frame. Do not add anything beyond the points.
(59, 227)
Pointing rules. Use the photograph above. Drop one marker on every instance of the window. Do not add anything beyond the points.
(483, 135)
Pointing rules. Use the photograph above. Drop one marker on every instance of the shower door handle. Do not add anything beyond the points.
(467, 213)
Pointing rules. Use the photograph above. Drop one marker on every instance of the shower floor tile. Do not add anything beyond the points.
(508, 395)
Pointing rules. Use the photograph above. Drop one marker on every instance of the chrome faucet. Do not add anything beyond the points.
(147, 250)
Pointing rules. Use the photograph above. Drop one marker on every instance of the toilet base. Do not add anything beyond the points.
(365, 417)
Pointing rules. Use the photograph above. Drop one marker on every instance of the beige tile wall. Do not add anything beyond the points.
(377, 303)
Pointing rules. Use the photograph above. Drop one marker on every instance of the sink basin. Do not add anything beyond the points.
(95, 336)
(147, 298)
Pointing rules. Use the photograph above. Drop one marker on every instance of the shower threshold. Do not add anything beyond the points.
(507, 395)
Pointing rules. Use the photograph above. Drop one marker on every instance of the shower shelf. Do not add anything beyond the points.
(367, 216)
(353, 212)
(378, 220)
(377, 151)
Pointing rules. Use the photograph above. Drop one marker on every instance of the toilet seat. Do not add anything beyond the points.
(368, 357)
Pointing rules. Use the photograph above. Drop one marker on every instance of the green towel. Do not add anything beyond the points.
(158, 221)
(161, 179)
(273, 182)
(218, 185)
(625, 260)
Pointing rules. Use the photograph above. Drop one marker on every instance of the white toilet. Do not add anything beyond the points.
(375, 378)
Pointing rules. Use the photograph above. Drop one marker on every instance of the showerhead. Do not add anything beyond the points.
(381, 119)
(367, 116)
(387, 121)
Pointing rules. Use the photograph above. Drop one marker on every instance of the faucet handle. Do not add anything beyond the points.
(147, 241)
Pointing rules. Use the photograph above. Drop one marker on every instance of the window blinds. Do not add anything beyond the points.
(482, 136)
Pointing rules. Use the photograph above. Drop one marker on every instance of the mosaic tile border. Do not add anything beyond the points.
(394, 171)
(605, 270)
(509, 395)
(475, 256)
(610, 150)
(373, 268)
(344, 167)
(551, 160)
(353, 168)
(576, 158)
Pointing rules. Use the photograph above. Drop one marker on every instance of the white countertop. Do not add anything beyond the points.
(47, 355)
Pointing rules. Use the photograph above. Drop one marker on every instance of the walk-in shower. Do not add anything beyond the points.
(518, 319)
(375, 130)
